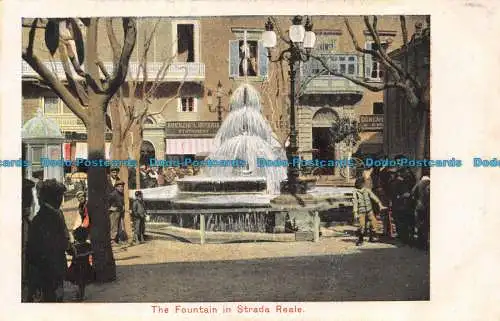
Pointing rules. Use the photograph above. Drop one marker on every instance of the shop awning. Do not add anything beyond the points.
(189, 146)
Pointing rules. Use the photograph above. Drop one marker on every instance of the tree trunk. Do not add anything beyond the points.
(119, 152)
(119, 149)
(103, 259)
(421, 137)
(136, 153)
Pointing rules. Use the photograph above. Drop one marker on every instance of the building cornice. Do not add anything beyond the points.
(328, 32)
(382, 33)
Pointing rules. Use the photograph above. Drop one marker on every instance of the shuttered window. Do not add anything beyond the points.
(256, 64)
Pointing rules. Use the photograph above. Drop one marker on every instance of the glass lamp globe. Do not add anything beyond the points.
(296, 33)
(269, 39)
(297, 30)
(309, 39)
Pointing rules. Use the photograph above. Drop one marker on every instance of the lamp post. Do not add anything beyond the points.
(300, 43)
(219, 93)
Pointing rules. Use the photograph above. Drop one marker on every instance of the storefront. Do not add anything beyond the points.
(372, 138)
(186, 139)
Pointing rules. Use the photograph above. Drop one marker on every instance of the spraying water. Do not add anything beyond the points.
(246, 135)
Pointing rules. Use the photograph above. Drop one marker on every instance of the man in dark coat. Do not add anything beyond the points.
(48, 240)
(421, 194)
(401, 185)
(112, 179)
(27, 202)
(116, 210)
(139, 215)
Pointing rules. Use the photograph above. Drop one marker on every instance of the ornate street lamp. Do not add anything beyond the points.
(219, 93)
(301, 42)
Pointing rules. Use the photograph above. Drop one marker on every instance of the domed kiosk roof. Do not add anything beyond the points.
(41, 127)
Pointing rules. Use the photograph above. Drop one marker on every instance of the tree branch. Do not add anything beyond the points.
(115, 46)
(75, 85)
(358, 81)
(31, 39)
(92, 75)
(101, 66)
(177, 94)
(355, 41)
(395, 70)
(56, 86)
(120, 73)
(404, 31)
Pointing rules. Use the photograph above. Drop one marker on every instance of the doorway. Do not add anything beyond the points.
(322, 142)
(322, 121)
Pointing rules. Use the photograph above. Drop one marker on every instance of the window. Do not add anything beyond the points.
(373, 68)
(148, 121)
(345, 64)
(37, 152)
(378, 108)
(185, 43)
(247, 58)
(50, 105)
(187, 104)
(66, 110)
(248, 66)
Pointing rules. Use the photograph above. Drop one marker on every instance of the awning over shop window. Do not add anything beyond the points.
(189, 146)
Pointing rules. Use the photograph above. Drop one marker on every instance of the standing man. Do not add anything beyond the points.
(116, 211)
(421, 193)
(139, 215)
(27, 202)
(113, 178)
(402, 206)
(48, 240)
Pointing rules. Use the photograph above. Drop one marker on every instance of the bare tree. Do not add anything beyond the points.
(131, 105)
(277, 101)
(87, 96)
(401, 76)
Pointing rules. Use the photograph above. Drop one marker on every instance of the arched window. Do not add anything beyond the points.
(149, 121)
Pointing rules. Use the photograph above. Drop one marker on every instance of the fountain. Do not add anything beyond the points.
(244, 137)
(237, 193)
(242, 185)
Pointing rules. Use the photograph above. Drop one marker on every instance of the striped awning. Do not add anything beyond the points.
(189, 146)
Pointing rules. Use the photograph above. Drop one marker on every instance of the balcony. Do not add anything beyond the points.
(68, 122)
(177, 71)
(323, 88)
(332, 85)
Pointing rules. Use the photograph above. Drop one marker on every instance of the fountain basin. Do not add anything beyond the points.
(238, 184)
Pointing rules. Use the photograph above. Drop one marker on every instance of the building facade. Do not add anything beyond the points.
(203, 52)
(402, 121)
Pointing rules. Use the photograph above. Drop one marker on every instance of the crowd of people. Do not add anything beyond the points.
(47, 240)
(159, 176)
(399, 198)
(394, 193)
